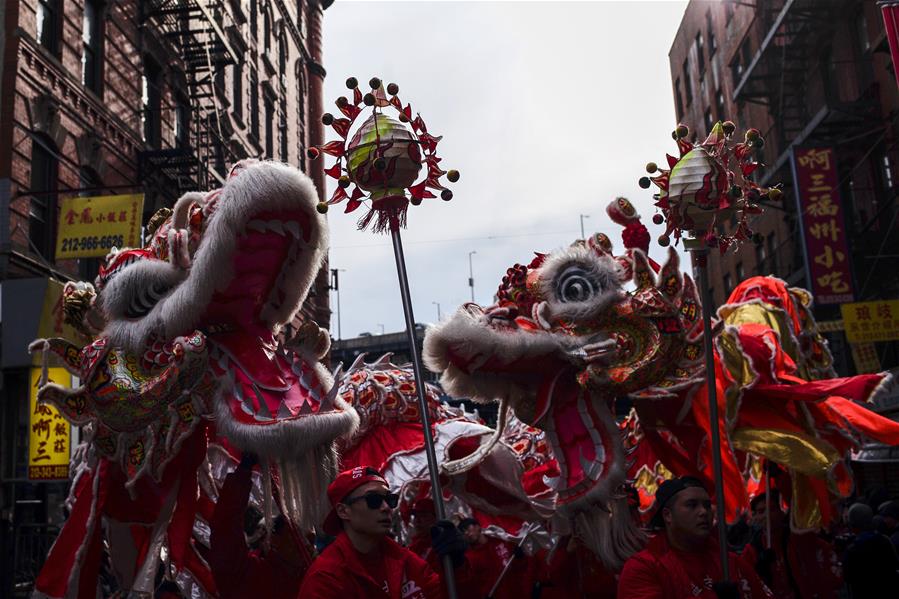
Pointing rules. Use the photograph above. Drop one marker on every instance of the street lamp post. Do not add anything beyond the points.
(471, 274)
(583, 216)
(438, 310)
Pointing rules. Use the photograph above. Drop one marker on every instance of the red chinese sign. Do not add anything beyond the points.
(818, 199)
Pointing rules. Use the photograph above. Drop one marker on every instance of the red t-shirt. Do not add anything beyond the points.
(662, 572)
(342, 572)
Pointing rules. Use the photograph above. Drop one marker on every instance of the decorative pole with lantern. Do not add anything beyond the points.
(707, 185)
(380, 166)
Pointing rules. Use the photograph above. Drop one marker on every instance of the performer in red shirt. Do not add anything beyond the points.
(487, 557)
(684, 560)
(363, 561)
(239, 571)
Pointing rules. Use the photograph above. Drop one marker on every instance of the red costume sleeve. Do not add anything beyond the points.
(639, 581)
(229, 556)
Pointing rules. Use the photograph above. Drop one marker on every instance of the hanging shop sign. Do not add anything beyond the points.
(868, 322)
(49, 434)
(818, 201)
(90, 227)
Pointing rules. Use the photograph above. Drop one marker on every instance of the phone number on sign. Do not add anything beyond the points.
(106, 242)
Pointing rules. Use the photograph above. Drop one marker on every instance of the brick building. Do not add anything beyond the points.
(102, 98)
(806, 74)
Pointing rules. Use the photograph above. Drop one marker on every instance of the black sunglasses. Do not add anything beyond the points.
(374, 500)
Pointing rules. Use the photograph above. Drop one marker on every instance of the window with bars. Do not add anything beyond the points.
(42, 208)
(678, 100)
(92, 46)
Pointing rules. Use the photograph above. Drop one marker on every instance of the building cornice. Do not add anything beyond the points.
(75, 99)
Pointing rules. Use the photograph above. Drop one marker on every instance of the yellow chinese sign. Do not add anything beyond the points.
(90, 227)
(49, 433)
(867, 322)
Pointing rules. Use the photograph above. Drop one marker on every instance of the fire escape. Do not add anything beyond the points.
(791, 75)
(796, 77)
(193, 31)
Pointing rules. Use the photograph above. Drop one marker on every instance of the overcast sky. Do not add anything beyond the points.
(548, 109)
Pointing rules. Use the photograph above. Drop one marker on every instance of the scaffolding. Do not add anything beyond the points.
(193, 31)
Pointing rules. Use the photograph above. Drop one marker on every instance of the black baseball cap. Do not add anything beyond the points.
(666, 491)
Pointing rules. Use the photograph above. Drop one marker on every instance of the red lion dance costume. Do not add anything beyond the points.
(189, 367)
(566, 337)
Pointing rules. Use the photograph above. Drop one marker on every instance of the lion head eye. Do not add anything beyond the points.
(575, 285)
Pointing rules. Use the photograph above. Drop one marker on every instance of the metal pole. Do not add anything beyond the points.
(701, 254)
(438, 310)
(471, 274)
(767, 503)
(583, 216)
(436, 493)
(336, 285)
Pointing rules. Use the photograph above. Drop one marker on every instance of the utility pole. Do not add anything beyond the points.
(583, 216)
(471, 274)
(335, 286)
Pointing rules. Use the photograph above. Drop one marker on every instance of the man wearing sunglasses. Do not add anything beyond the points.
(363, 561)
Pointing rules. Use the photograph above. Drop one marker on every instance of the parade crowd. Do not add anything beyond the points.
(359, 554)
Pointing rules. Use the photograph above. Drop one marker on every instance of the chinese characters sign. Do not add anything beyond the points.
(818, 198)
(867, 322)
(90, 227)
(48, 432)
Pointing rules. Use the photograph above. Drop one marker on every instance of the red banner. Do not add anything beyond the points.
(891, 25)
(821, 212)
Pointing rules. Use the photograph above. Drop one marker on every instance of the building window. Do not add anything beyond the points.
(678, 101)
(861, 27)
(282, 130)
(719, 105)
(700, 53)
(738, 270)
(151, 99)
(254, 104)
(182, 121)
(711, 33)
(89, 182)
(237, 90)
(48, 25)
(709, 122)
(761, 254)
(282, 56)
(688, 91)
(254, 22)
(42, 210)
(267, 29)
(887, 172)
(92, 46)
(728, 284)
(269, 127)
(728, 11)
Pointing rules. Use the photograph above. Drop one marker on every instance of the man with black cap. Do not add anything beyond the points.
(363, 561)
(683, 560)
